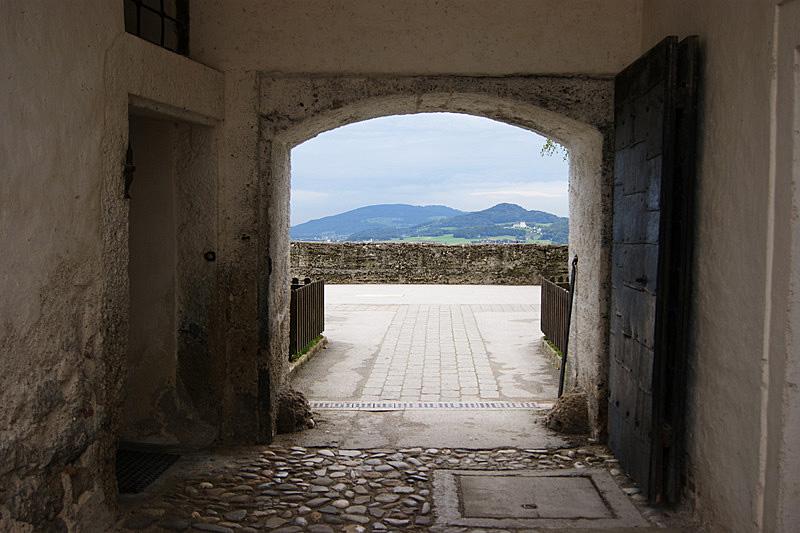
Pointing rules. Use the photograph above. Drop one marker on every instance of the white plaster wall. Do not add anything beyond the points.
(474, 37)
(781, 398)
(241, 247)
(200, 367)
(51, 408)
(68, 73)
(590, 219)
(725, 382)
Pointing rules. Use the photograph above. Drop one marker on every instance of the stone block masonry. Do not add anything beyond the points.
(423, 263)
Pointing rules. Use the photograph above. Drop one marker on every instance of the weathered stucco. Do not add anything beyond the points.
(471, 264)
(51, 414)
(411, 37)
(780, 438)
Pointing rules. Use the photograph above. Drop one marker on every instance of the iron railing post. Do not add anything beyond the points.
(563, 369)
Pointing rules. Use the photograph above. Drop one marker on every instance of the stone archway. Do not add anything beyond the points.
(577, 111)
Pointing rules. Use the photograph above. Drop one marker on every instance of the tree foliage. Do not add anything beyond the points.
(551, 148)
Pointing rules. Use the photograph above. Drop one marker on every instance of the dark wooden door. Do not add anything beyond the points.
(653, 172)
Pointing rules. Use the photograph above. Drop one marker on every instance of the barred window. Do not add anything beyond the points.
(162, 22)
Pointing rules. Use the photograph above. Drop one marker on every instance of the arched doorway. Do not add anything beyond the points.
(436, 231)
(575, 111)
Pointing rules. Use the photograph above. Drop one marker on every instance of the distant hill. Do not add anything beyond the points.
(436, 223)
(371, 218)
(488, 221)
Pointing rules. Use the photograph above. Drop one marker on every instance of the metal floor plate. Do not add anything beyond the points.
(532, 499)
(401, 406)
(136, 469)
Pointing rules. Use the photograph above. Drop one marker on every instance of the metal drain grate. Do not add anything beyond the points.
(400, 406)
(136, 470)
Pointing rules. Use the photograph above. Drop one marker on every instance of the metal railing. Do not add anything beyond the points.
(306, 313)
(556, 315)
(555, 312)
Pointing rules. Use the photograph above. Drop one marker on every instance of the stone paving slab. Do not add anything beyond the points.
(581, 497)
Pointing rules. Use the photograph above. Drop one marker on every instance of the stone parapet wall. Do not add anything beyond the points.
(422, 263)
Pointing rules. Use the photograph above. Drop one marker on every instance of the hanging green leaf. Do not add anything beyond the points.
(551, 148)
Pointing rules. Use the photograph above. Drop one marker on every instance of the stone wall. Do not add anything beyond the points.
(479, 264)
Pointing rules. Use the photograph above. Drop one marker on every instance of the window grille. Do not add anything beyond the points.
(162, 22)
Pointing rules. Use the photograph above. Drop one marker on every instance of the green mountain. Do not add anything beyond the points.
(400, 222)
(499, 220)
(371, 218)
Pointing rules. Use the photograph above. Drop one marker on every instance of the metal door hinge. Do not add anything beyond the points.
(127, 172)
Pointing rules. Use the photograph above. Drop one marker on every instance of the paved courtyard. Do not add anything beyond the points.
(431, 343)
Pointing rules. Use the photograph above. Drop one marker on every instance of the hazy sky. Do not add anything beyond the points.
(461, 161)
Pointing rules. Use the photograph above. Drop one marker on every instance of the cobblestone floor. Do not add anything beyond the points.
(294, 489)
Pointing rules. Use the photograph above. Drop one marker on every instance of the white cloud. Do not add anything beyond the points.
(305, 195)
(462, 161)
(526, 192)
